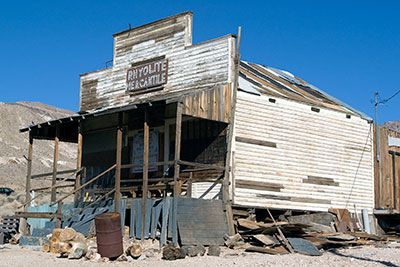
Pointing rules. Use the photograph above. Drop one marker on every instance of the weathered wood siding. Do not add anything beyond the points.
(387, 174)
(190, 67)
(214, 104)
(290, 157)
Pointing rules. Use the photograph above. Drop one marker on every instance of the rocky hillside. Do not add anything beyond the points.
(393, 125)
(14, 145)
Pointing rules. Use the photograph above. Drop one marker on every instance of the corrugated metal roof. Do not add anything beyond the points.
(258, 79)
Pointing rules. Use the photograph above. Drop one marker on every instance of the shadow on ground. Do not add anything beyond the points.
(386, 263)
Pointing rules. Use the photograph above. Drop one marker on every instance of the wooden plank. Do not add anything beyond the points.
(157, 212)
(266, 239)
(55, 163)
(51, 173)
(132, 219)
(165, 215)
(228, 172)
(138, 218)
(39, 215)
(145, 170)
(49, 187)
(117, 194)
(201, 165)
(189, 188)
(128, 166)
(85, 184)
(122, 212)
(320, 180)
(28, 183)
(78, 164)
(272, 251)
(90, 205)
(178, 131)
(259, 185)
(58, 221)
(254, 141)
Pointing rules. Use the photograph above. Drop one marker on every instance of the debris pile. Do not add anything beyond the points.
(308, 234)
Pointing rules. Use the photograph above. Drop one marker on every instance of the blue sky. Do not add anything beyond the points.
(350, 49)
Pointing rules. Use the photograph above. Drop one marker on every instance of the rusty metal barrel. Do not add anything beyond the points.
(109, 234)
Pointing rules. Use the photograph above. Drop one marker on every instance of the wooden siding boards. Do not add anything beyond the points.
(190, 67)
(385, 187)
(321, 160)
(212, 104)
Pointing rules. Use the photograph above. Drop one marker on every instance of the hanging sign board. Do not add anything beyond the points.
(145, 75)
(137, 151)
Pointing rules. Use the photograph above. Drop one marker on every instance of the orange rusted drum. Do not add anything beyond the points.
(109, 235)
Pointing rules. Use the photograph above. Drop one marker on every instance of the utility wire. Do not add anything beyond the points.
(387, 100)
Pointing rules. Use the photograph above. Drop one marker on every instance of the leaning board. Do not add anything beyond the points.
(201, 221)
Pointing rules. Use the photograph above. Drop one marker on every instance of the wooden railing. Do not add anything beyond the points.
(82, 186)
(74, 173)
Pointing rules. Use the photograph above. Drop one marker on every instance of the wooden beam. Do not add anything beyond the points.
(90, 205)
(166, 144)
(201, 165)
(225, 186)
(49, 187)
(78, 164)
(128, 166)
(189, 187)
(55, 163)
(85, 184)
(28, 182)
(117, 194)
(51, 173)
(178, 131)
(145, 170)
(58, 221)
(38, 215)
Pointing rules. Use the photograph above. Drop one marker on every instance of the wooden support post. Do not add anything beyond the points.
(145, 170)
(178, 130)
(189, 187)
(58, 221)
(166, 144)
(28, 183)
(225, 187)
(78, 164)
(117, 194)
(55, 163)
(395, 185)
(228, 170)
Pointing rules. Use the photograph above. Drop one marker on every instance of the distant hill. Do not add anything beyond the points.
(392, 125)
(14, 145)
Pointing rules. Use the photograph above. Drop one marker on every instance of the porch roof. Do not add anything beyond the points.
(69, 126)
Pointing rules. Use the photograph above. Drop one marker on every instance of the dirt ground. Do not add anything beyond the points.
(358, 256)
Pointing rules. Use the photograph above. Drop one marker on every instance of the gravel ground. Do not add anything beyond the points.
(359, 256)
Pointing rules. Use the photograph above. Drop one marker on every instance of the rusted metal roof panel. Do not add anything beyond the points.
(258, 79)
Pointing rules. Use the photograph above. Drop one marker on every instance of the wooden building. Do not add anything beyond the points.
(387, 173)
(174, 118)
